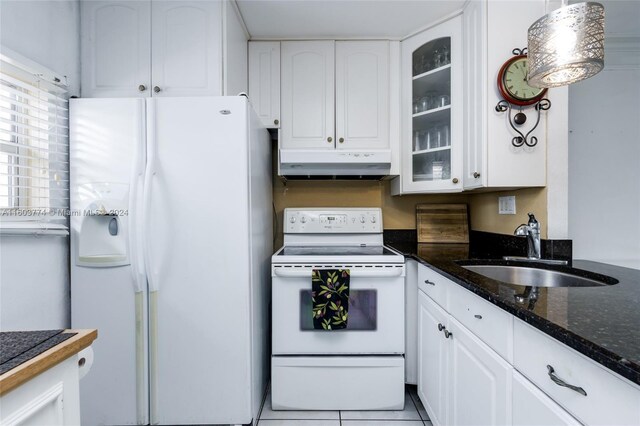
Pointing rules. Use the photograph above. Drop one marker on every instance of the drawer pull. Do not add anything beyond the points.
(440, 327)
(429, 282)
(478, 316)
(558, 381)
(448, 334)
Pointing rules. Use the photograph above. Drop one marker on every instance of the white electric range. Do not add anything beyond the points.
(361, 367)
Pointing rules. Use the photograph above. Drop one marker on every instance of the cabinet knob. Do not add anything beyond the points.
(341, 140)
(476, 175)
(329, 139)
(448, 334)
(440, 327)
(276, 121)
(478, 316)
(454, 180)
(142, 88)
(156, 89)
(429, 282)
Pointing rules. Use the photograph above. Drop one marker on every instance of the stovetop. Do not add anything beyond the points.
(336, 251)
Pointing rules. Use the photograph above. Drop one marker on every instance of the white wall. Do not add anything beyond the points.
(604, 158)
(34, 272)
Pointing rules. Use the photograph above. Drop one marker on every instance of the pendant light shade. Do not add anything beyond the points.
(566, 45)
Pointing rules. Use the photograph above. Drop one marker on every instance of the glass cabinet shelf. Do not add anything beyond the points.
(433, 76)
(434, 113)
(425, 151)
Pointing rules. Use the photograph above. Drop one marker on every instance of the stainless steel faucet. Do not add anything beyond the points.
(531, 230)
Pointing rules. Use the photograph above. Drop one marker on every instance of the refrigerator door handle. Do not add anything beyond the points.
(138, 268)
(135, 219)
(149, 175)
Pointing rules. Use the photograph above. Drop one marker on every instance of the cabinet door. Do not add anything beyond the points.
(115, 46)
(479, 381)
(186, 48)
(235, 52)
(264, 81)
(307, 95)
(532, 407)
(432, 109)
(432, 359)
(362, 94)
(475, 94)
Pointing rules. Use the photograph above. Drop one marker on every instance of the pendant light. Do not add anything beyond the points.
(566, 45)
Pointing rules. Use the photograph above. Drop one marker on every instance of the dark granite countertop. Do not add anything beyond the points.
(603, 322)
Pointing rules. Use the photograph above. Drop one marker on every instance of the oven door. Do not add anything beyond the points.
(376, 312)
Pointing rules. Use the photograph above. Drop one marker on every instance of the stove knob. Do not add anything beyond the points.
(303, 219)
(362, 219)
(373, 219)
(293, 219)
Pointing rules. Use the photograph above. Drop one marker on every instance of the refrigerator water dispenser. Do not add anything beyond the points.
(102, 237)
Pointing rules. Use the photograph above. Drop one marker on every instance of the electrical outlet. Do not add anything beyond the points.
(507, 205)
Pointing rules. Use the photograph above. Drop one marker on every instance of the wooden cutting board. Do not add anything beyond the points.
(442, 223)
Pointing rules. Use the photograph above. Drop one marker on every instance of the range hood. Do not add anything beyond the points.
(373, 164)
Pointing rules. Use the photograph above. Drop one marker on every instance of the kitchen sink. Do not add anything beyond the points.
(539, 277)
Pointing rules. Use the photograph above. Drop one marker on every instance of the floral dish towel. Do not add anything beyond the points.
(330, 298)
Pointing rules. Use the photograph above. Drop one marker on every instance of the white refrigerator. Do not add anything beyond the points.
(171, 240)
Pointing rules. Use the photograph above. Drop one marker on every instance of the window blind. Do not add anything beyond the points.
(34, 143)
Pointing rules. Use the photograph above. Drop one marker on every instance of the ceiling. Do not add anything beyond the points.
(300, 19)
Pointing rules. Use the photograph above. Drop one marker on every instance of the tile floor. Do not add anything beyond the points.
(413, 414)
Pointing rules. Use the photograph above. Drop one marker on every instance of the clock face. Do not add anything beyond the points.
(512, 81)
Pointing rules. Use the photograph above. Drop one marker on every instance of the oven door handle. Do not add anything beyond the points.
(355, 273)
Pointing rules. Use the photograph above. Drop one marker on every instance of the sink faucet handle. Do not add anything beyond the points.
(532, 218)
(521, 230)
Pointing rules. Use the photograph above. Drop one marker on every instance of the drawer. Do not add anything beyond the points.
(531, 407)
(434, 285)
(358, 383)
(609, 399)
(488, 322)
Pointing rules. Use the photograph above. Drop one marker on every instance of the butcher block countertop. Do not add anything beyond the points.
(25, 354)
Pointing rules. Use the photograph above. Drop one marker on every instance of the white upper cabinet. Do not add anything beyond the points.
(186, 48)
(308, 95)
(475, 94)
(335, 95)
(264, 81)
(431, 146)
(235, 51)
(490, 158)
(362, 94)
(116, 46)
(159, 48)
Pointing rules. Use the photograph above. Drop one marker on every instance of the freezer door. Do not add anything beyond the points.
(107, 157)
(198, 260)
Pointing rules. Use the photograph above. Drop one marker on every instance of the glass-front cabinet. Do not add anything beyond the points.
(432, 110)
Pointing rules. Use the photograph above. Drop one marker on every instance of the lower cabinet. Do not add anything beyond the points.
(460, 379)
(532, 407)
(465, 376)
(432, 359)
(51, 398)
(479, 380)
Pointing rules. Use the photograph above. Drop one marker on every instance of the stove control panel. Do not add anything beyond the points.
(333, 221)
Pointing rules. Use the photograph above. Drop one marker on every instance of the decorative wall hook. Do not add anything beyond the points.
(520, 118)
